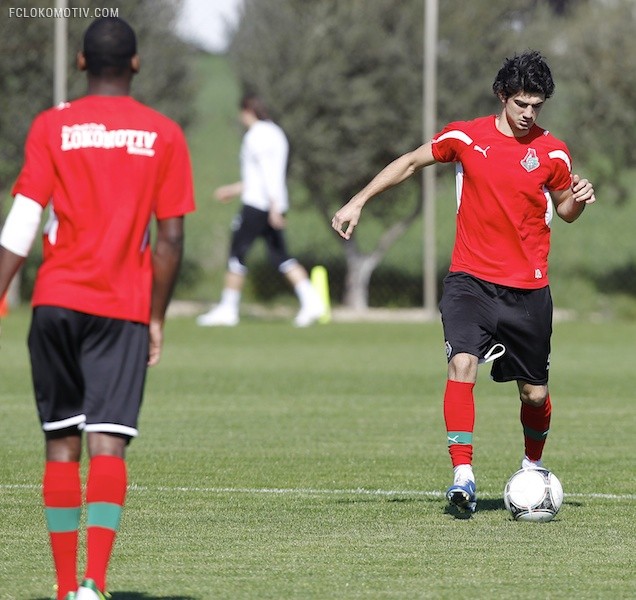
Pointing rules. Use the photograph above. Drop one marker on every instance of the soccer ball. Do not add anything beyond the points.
(533, 495)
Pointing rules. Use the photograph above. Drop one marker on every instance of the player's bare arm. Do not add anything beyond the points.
(166, 259)
(225, 193)
(19, 231)
(570, 203)
(10, 264)
(346, 219)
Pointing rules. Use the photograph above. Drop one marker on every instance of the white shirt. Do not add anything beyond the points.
(264, 152)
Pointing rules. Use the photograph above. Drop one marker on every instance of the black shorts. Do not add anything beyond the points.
(88, 372)
(251, 224)
(478, 316)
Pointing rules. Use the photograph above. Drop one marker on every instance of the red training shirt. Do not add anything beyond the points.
(106, 164)
(504, 210)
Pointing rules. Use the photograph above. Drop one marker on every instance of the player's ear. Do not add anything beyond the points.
(80, 61)
(135, 63)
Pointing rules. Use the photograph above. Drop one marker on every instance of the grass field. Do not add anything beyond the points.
(283, 463)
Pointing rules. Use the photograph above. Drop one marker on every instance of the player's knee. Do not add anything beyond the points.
(534, 395)
(463, 367)
(287, 265)
(235, 265)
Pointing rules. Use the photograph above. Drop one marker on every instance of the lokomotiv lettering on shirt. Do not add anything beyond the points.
(96, 135)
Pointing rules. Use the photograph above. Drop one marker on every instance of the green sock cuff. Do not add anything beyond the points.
(459, 437)
(62, 520)
(104, 514)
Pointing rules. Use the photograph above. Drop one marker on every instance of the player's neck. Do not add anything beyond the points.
(100, 86)
(504, 126)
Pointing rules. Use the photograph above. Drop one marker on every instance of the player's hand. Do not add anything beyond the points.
(583, 190)
(346, 219)
(276, 219)
(155, 330)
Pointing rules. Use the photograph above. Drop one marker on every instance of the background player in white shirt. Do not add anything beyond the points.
(263, 193)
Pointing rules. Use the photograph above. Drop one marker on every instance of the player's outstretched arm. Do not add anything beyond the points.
(166, 260)
(570, 203)
(226, 193)
(346, 219)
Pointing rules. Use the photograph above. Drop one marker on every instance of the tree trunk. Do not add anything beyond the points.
(360, 267)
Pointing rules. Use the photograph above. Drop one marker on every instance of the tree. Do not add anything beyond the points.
(343, 79)
(595, 56)
(26, 85)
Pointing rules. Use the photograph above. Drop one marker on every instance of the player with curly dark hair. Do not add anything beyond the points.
(512, 176)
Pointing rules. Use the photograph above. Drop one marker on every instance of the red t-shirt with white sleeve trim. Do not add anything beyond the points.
(106, 165)
(503, 206)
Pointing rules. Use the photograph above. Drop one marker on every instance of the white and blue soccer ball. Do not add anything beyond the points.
(533, 495)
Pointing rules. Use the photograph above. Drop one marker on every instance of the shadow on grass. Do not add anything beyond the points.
(487, 504)
(394, 499)
(142, 596)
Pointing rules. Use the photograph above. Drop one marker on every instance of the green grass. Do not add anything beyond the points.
(284, 463)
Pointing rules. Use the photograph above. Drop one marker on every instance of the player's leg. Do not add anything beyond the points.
(467, 316)
(535, 416)
(459, 407)
(114, 361)
(226, 312)
(246, 227)
(62, 495)
(525, 327)
(58, 386)
(311, 305)
(106, 486)
(459, 416)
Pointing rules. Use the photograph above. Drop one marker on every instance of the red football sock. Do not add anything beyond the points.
(105, 496)
(536, 424)
(459, 414)
(62, 493)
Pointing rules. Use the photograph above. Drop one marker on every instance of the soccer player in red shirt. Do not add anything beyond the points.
(512, 175)
(107, 167)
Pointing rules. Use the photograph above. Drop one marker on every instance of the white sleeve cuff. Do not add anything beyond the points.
(21, 225)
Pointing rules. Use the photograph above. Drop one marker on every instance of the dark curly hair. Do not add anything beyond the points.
(527, 72)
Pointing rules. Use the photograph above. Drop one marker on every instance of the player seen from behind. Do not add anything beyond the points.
(107, 167)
